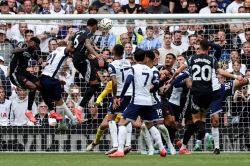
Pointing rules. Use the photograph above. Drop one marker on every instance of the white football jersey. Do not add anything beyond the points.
(120, 68)
(142, 83)
(215, 81)
(4, 113)
(54, 62)
(155, 96)
(175, 97)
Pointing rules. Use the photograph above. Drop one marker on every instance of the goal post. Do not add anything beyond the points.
(227, 30)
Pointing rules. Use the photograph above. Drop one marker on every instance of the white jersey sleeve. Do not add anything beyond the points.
(120, 69)
(54, 62)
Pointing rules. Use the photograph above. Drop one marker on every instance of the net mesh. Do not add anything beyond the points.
(45, 135)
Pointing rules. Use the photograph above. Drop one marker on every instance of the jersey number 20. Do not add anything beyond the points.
(203, 73)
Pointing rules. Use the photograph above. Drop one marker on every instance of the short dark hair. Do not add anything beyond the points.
(156, 51)
(92, 22)
(28, 31)
(204, 45)
(192, 3)
(119, 50)
(52, 39)
(150, 54)
(193, 35)
(150, 27)
(36, 40)
(171, 54)
(139, 55)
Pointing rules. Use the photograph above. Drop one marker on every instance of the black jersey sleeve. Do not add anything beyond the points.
(13, 63)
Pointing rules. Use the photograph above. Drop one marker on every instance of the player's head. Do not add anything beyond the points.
(150, 56)
(139, 55)
(118, 50)
(92, 24)
(170, 60)
(204, 45)
(181, 59)
(33, 43)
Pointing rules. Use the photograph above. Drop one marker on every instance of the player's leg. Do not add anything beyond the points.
(147, 137)
(162, 128)
(103, 126)
(200, 104)
(131, 113)
(190, 128)
(148, 114)
(62, 108)
(199, 122)
(164, 131)
(113, 126)
(89, 73)
(169, 120)
(215, 132)
(26, 81)
(113, 132)
(127, 148)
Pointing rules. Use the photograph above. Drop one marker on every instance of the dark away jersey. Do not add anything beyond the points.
(79, 43)
(201, 67)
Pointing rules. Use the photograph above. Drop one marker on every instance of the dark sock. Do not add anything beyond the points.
(88, 94)
(172, 133)
(31, 99)
(200, 129)
(190, 130)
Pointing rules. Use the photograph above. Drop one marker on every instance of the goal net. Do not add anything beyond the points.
(230, 32)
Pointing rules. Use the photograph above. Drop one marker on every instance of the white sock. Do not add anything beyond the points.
(183, 146)
(113, 133)
(80, 108)
(156, 137)
(165, 134)
(122, 137)
(216, 137)
(128, 135)
(146, 136)
(68, 112)
(142, 142)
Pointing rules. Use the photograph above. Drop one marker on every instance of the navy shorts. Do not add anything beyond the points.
(122, 107)
(158, 114)
(147, 113)
(51, 88)
(220, 96)
(200, 101)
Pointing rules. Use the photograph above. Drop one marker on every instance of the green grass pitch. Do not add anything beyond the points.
(98, 159)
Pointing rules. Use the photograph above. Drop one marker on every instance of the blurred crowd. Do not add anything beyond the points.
(123, 6)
